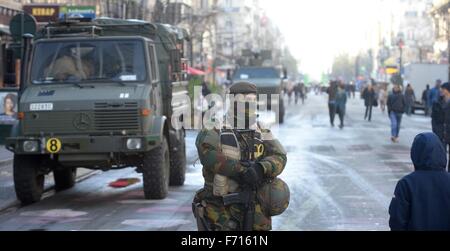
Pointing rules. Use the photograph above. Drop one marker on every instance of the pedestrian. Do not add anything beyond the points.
(438, 118)
(437, 101)
(369, 101)
(410, 98)
(290, 90)
(446, 111)
(348, 90)
(237, 163)
(353, 89)
(332, 93)
(300, 92)
(425, 103)
(434, 94)
(422, 199)
(396, 107)
(205, 89)
(205, 106)
(382, 96)
(341, 102)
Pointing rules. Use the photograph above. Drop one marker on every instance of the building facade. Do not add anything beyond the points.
(441, 20)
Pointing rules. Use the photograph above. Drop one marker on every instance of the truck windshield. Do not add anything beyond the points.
(88, 61)
(256, 73)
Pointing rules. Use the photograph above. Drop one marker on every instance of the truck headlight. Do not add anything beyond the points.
(134, 144)
(31, 146)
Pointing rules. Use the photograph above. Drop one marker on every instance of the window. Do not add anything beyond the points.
(151, 48)
(88, 61)
(256, 73)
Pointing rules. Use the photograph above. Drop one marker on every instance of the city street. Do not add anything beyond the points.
(339, 180)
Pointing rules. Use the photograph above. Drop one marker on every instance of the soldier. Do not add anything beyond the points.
(70, 66)
(240, 168)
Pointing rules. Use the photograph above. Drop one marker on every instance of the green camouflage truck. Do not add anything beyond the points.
(259, 69)
(98, 95)
(269, 83)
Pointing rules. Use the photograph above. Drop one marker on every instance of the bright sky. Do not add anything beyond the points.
(316, 30)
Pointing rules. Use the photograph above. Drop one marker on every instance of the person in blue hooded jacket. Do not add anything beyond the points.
(422, 199)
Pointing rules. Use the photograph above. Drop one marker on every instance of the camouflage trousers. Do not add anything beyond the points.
(230, 218)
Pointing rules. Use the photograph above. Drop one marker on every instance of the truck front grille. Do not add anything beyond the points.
(114, 120)
(105, 118)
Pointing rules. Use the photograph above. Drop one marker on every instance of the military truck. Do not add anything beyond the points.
(98, 95)
(258, 68)
(268, 81)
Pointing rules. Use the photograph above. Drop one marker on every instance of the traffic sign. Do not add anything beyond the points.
(21, 24)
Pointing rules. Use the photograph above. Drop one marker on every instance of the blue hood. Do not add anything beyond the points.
(428, 153)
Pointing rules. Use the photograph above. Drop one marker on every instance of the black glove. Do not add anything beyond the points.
(254, 174)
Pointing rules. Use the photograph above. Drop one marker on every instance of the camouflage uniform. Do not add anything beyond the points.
(271, 156)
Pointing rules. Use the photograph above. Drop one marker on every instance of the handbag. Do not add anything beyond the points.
(375, 103)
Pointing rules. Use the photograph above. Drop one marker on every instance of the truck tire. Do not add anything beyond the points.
(156, 172)
(28, 181)
(64, 178)
(178, 164)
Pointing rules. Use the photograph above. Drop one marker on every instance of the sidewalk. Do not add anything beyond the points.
(7, 193)
(6, 157)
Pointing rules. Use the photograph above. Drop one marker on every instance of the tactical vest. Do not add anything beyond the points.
(240, 147)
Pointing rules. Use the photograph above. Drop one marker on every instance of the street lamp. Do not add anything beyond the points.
(401, 45)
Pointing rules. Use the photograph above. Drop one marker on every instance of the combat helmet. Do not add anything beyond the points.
(274, 197)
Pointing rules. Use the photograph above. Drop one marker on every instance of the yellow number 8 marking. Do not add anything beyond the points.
(53, 145)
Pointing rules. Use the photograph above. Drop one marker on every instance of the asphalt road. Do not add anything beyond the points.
(339, 180)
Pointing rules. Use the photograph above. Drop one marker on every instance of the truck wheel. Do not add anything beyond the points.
(178, 164)
(156, 172)
(64, 178)
(28, 181)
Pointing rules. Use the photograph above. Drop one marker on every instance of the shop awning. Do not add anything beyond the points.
(4, 30)
(193, 71)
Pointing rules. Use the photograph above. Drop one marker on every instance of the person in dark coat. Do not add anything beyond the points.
(446, 113)
(341, 102)
(396, 107)
(434, 93)
(422, 199)
(332, 94)
(205, 89)
(436, 102)
(425, 95)
(410, 98)
(437, 118)
(353, 89)
(300, 92)
(369, 99)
